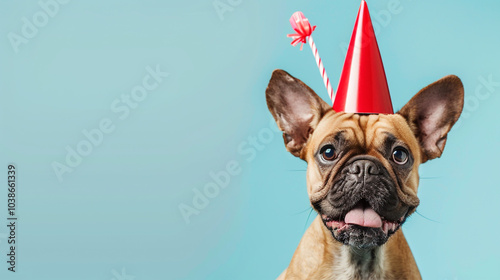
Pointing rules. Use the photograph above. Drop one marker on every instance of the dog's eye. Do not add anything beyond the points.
(400, 155)
(328, 153)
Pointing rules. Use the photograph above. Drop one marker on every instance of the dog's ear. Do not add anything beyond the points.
(432, 112)
(295, 107)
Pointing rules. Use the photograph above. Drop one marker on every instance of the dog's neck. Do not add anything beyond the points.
(320, 256)
(354, 263)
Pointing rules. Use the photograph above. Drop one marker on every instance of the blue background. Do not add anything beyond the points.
(116, 215)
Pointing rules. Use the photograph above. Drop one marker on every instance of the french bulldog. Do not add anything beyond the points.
(362, 176)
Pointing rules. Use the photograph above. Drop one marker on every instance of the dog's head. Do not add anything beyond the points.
(362, 173)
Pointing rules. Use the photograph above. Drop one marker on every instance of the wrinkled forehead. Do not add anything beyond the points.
(366, 131)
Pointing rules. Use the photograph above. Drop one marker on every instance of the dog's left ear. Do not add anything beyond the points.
(432, 112)
(296, 108)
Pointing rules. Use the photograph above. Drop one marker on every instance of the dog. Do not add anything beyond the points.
(362, 176)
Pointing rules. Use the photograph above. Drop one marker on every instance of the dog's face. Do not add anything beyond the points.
(362, 173)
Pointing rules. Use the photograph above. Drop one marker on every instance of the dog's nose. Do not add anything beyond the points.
(364, 167)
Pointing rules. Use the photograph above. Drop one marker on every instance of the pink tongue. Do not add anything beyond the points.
(366, 217)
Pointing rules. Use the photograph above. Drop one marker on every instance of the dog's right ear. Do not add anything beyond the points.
(296, 108)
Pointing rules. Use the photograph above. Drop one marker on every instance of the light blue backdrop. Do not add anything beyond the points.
(70, 68)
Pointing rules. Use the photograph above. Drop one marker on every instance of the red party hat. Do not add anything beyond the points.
(363, 85)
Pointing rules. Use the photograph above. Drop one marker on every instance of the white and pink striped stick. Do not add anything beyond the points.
(301, 25)
(322, 70)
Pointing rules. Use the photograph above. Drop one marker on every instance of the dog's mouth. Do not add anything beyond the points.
(362, 227)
